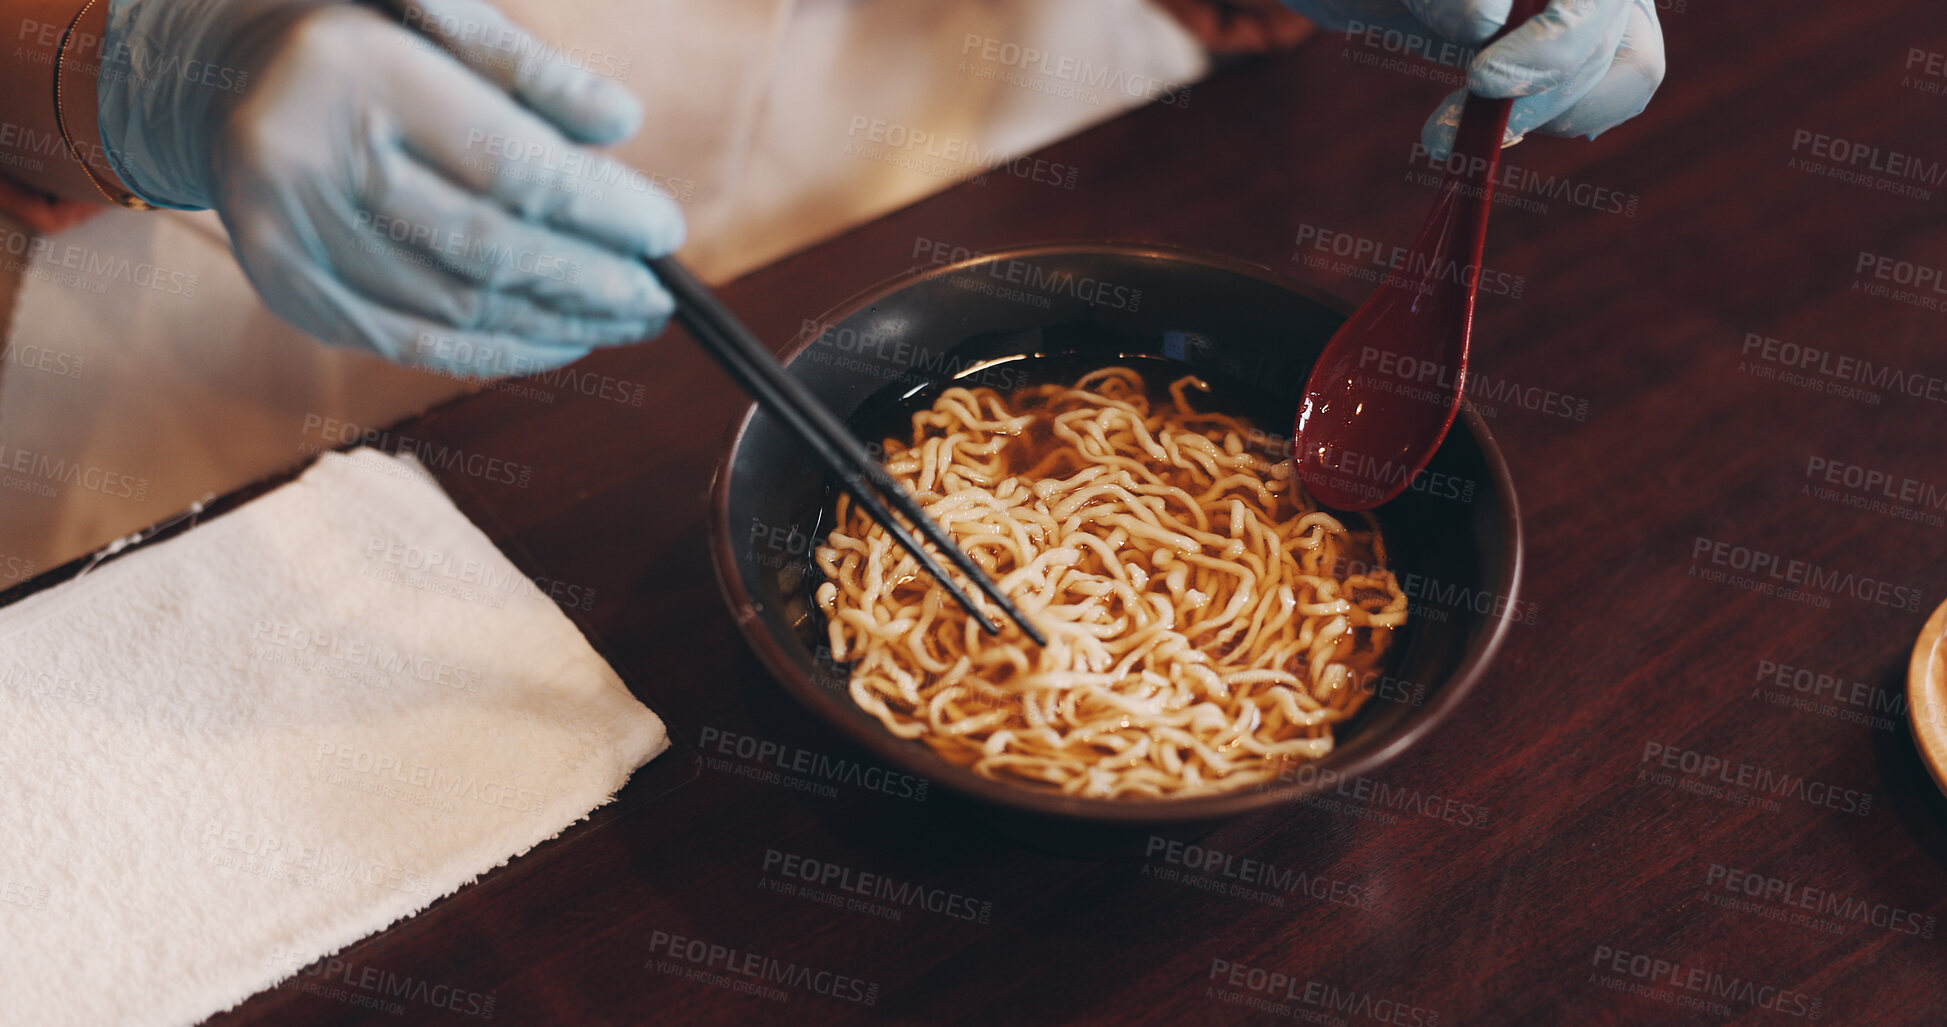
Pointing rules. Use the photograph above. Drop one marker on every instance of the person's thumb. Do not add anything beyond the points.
(585, 106)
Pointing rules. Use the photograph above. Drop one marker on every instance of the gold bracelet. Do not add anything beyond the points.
(127, 198)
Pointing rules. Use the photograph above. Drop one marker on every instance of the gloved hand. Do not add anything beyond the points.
(1579, 68)
(383, 194)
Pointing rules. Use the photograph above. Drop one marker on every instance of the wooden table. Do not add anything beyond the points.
(1616, 869)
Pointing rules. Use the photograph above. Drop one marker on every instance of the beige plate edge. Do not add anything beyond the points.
(1926, 696)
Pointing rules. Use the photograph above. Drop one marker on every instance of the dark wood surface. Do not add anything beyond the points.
(1583, 851)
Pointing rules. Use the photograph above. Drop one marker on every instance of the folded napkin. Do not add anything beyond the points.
(229, 754)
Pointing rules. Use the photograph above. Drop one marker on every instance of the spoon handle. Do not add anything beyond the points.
(1455, 230)
(1445, 257)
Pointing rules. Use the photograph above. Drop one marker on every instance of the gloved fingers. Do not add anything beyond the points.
(1529, 111)
(497, 149)
(1548, 49)
(1465, 21)
(482, 245)
(306, 294)
(389, 260)
(1632, 79)
(580, 103)
(389, 274)
(1437, 135)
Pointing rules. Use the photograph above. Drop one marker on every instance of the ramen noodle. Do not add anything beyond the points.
(1207, 623)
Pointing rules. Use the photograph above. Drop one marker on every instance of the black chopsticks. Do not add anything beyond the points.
(721, 335)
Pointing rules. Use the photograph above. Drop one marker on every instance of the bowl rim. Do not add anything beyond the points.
(898, 752)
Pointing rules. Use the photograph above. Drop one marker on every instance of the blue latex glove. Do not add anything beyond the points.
(383, 194)
(1579, 68)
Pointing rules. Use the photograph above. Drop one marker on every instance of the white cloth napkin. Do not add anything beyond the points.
(229, 754)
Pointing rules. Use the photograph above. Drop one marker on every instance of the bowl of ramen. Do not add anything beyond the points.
(1105, 430)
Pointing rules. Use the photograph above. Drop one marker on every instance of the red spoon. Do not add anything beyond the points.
(1386, 389)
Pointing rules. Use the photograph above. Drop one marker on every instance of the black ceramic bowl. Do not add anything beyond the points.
(1454, 539)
